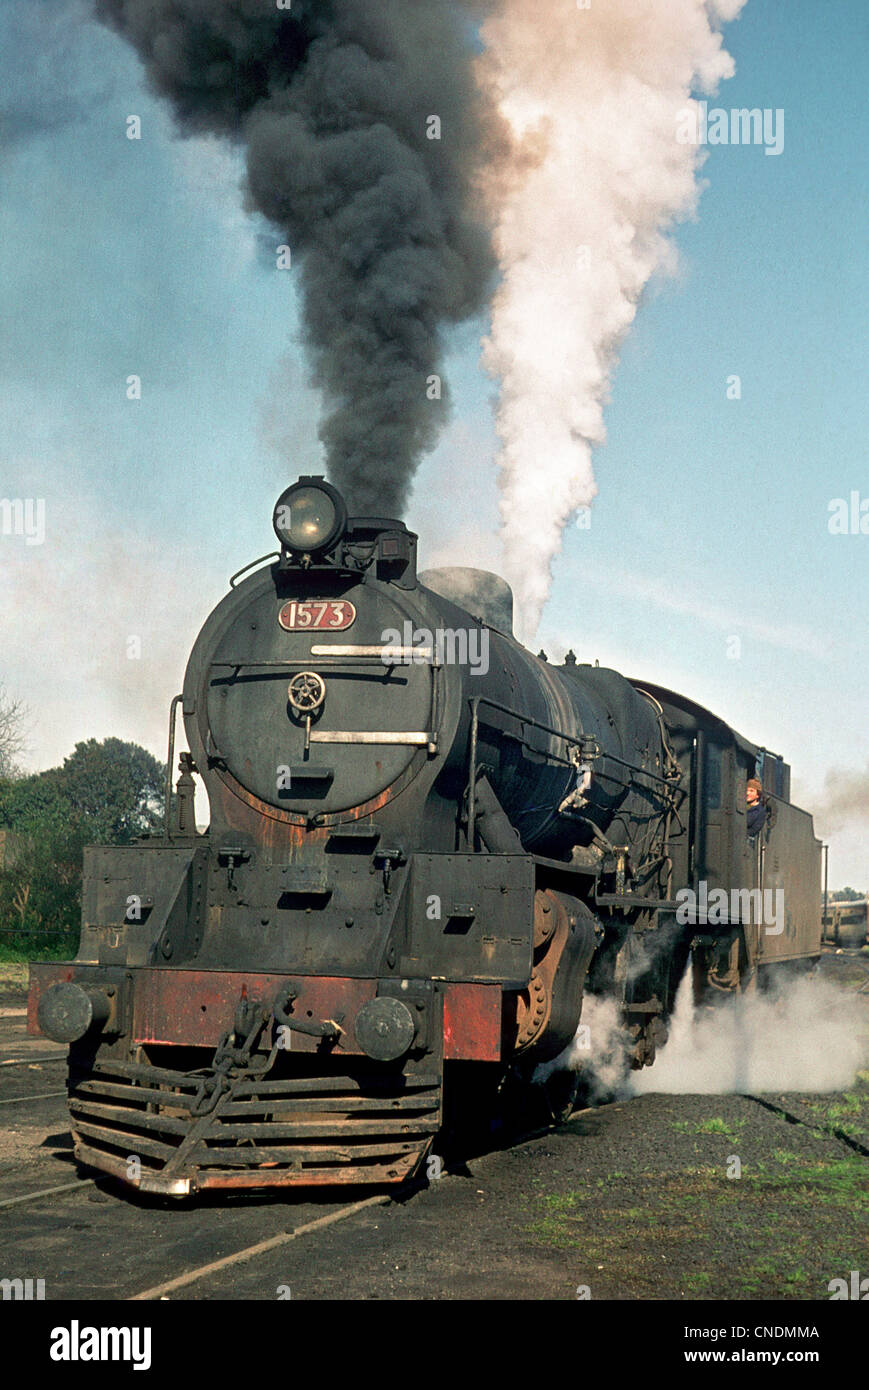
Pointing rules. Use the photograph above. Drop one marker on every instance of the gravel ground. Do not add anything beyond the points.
(632, 1201)
(658, 1197)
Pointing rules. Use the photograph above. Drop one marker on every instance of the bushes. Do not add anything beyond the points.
(40, 890)
(107, 792)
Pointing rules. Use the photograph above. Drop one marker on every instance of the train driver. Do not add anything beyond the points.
(755, 807)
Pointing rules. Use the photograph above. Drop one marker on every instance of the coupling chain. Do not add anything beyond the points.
(232, 1060)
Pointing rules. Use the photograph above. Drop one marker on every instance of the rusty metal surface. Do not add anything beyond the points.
(195, 1007)
(42, 977)
(283, 1131)
(397, 1171)
(296, 828)
(550, 938)
(472, 1022)
(532, 1011)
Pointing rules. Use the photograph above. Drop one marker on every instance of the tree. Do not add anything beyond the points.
(107, 792)
(111, 792)
(12, 716)
(113, 788)
(40, 884)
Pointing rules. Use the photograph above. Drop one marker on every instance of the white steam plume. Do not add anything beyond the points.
(597, 1051)
(809, 1036)
(593, 179)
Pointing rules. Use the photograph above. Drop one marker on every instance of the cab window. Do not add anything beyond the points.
(712, 779)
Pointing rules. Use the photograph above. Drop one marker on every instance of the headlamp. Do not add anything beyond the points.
(309, 516)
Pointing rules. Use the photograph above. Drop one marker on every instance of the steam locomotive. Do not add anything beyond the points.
(425, 845)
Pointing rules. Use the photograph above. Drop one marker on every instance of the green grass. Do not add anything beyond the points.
(839, 1183)
(18, 952)
(838, 1116)
(552, 1228)
(850, 1104)
(729, 1128)
(697, 1283)
(786, 1156)
(558, 1201)
(763, 1205)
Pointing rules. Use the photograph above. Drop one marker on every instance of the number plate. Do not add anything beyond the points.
(317, 614)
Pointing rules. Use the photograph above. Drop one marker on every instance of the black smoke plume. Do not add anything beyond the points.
(331, 100)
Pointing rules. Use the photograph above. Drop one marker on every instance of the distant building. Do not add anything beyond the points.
(847, 922)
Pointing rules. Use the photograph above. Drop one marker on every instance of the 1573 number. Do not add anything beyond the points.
(333, 614)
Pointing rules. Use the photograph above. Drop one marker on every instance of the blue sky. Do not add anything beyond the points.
(123, 257)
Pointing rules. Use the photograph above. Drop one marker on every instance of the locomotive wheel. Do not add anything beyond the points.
(526, 1104)
(561, 1090)
(531, 1010)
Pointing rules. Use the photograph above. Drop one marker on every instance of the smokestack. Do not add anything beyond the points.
(484, 595)
(592, 180)
(363, 128)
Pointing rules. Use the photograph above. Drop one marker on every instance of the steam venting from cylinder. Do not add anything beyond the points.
(593, 178)
(363, 128)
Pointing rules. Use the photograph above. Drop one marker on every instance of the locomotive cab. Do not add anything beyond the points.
(755, 897)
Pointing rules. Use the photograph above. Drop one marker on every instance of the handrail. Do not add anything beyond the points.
(170, 763)
(475, 703)
(272, 555)
(579, 741)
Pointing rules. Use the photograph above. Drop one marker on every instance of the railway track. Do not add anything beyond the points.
(834, 1132)
(41, 1095)
(393, 1196)
(262, 1247)
(30, 1197)
(39, 1060)
(191, 1276)
(232, 1239)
